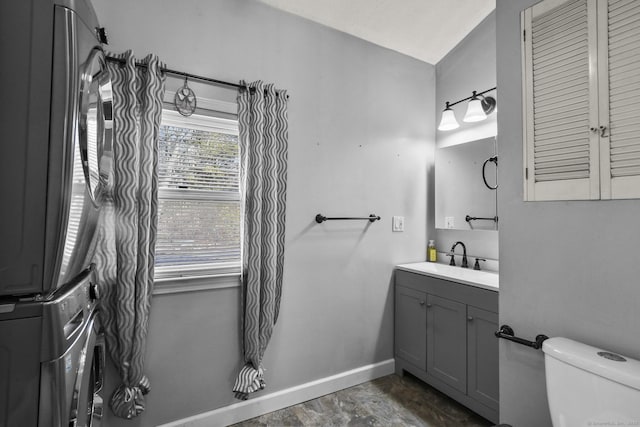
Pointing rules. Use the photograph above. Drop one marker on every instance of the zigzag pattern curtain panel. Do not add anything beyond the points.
(263, 128)
(126, 239)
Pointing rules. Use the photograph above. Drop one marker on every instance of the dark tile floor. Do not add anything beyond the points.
(387, 401)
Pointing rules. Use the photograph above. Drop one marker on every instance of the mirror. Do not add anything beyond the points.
(461, 192)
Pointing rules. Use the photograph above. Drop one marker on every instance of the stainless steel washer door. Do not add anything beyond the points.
(99, 360)
(70, 393)
(86, 403)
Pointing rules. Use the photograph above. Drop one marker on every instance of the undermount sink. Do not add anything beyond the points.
(468, 276)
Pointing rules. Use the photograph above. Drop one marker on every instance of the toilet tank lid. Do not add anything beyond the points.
(595, 360)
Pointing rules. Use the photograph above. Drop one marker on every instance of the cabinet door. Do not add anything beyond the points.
(618, 58)
(447, 341)
(482, 347)
(411, 326)
(560, 80)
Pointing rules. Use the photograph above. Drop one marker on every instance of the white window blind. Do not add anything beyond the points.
(199, 200)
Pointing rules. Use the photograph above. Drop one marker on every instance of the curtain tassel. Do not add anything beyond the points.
(128, 402)
(249, 380)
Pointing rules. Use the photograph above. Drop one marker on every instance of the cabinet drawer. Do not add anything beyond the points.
(467, 294)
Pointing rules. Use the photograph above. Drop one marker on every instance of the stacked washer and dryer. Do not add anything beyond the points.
(55, 160)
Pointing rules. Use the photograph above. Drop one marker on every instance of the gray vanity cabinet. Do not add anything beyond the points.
(411, 326)
(444, 335)
(447, 341)
(482, 350)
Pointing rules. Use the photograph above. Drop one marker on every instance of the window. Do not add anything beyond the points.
(198, 196)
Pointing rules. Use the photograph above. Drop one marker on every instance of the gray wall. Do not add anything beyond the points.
(470, 66)
(361, 139)
(566, 269)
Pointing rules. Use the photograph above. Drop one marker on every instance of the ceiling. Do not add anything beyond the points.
(424, 29)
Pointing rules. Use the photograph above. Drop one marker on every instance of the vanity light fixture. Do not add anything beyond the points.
(477, 110)
(448, 121)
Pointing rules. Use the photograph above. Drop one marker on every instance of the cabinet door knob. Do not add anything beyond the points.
(603, 131)
(469, 318)
(421, 302)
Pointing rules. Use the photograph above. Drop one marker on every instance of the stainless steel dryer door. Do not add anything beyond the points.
(80, 148)
(93, 157)
(96, 124)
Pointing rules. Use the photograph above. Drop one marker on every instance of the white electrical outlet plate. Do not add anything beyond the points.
(448, 222)
(397, 223)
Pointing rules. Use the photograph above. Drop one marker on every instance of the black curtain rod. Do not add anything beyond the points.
(187, 75)
(451, 104)
(181, 74)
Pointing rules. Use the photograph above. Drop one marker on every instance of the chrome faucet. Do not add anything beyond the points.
(451, 253)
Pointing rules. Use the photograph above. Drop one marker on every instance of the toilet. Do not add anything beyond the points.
(588, 386)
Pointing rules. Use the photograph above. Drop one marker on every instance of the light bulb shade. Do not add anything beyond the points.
(475, 112)
(448, 121)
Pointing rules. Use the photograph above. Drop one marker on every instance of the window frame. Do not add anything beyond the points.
(203, 275)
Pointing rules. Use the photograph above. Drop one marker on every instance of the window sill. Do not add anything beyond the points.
(195, 283)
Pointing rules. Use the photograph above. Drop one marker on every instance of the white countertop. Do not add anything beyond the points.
(468, 276)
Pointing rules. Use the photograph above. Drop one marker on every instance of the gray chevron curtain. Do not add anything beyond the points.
(125, 248)
(262, 121)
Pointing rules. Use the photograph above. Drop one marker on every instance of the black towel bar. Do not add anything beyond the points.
(507, 333)
(371, 218)
(469, 218)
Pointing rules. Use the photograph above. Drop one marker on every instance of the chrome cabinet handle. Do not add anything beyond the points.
(603, 131)
(469, 318)
(421, 302)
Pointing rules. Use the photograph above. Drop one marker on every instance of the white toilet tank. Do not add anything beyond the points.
(588, 386)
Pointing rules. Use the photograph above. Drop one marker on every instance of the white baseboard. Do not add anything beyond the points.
(284, 398)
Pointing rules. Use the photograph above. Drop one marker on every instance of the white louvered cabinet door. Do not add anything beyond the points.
(619, 60)
(561, 151)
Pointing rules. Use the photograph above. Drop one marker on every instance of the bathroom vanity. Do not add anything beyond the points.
(445, 319)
